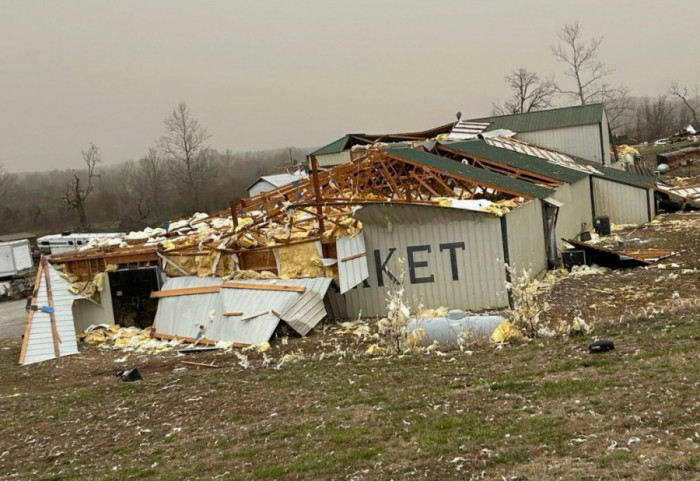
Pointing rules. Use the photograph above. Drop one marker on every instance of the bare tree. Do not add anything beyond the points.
(692, 104)
(529, 93)
(655, 118)
(580, 58)
(7, 181)
(590, 75)
(183, 144)
(75, 195)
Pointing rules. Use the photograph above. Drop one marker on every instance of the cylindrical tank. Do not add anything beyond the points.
(447, 330)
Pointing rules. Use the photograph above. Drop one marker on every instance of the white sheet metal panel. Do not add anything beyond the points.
(582, 141)
(330, 160)
(182, 315)
(353, 271)
(652, 204)
(429, 239)
(577, 208)
(624, 204)
(305, 313)
(40, 339)
(526, 241)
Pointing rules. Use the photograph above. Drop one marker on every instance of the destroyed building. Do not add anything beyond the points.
(441, 215)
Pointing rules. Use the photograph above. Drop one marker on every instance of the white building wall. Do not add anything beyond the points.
(582, 141)
(652, 204)
(259, 187)
(526, 242)
(576, 210)
(326, 161)
(428, 238)
(623, 203)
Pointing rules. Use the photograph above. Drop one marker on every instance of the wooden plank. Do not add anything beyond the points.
(30, 316)
(52, 315)
(201, 364)
(204, 341)
(186, 291)
(233, 314)
(354, 256)
(263, 287)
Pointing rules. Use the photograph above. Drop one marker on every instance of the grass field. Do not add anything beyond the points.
(532, 411)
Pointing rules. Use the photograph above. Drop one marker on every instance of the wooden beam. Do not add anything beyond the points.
(187, 291)
(233, 314)
(317, 192)
(356, 256)
(30, 316)
(263, 287)
(52, 315)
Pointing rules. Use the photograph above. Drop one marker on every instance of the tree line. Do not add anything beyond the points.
(176, 177)
(587, 80)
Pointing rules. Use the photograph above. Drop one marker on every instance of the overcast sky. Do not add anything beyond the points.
(268, 74)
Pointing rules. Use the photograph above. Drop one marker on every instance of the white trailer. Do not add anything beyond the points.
(15, 258)
(68, 242)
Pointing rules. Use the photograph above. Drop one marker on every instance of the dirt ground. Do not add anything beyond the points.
(321, 408)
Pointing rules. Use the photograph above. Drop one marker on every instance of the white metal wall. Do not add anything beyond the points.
(526, 242)
(624, 204)
(581, 141)
(40, 341)
(87, 311)
(576, 210)
(609, 159)
(260, 186)
(330, 160)
(477, 280)
(15, 256)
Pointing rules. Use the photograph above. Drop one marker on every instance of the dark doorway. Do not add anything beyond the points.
(131, 295)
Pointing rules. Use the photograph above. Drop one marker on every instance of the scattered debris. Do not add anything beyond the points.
(602, 345)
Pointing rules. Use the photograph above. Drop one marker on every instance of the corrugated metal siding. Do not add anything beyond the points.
(581, 141)
(353, 271)
(480, 273)
(652, 205)
(182, 315)
(577, 208)
(624, 204)
(526, 243)
(40, 342)
(305, 313)
(330, 160)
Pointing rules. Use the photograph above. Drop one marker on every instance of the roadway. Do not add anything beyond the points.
(13, 318)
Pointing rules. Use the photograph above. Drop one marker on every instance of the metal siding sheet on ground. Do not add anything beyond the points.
(624, 204)
(182, 315)
(480, 273)
(305, 313)
(353, 271)
(40, 339)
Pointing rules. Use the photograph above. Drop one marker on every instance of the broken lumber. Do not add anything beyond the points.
(263, 287)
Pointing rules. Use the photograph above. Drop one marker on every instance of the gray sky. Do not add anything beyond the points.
(267, 74)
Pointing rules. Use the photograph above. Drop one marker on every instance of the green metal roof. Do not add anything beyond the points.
(473, 173)
(547, 119)
(334, 147)
(617, 175)
(480, 149)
